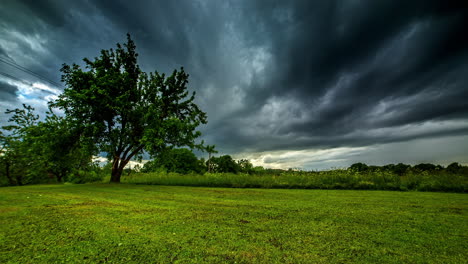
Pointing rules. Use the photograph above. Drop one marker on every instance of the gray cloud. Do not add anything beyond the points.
(7, 92)
(274, 75)
(340, 62)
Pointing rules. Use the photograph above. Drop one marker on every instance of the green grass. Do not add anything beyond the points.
(108, 223)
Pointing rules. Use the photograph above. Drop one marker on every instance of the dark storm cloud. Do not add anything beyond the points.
(7, 92)
(275, 75)
(4, 54)
(322, 39)
(341, 61)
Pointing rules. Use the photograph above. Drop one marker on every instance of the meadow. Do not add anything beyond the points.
(128, 223)
(332, 179)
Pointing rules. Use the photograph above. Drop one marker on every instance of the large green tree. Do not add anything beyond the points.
(127, 111)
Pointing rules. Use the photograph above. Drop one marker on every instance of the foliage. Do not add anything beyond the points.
(175, 160)
(98, 223)
(361, 176)
(90, 174)
(62, 148)
(427, 167)
(245, 166)
(359, 167)
(211, 150)
(224, 164)
(455, 167)
(17, 159)
(399, 168)
(335, 179)
(127, 111)
(41, 151)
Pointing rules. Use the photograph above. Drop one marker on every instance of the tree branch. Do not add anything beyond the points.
(124, 156)
(135, 152)
(124, 124)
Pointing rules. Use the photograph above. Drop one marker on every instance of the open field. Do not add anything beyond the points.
(99, 223)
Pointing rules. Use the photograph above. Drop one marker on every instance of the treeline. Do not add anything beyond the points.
(398, 177)
(181, 167)
(402, 169)
(184, 161)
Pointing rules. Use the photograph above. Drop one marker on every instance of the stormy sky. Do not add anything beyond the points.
(302, 84)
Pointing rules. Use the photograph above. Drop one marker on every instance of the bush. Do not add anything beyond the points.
(85, 176)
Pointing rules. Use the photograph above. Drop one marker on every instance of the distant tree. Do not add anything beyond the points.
(175, 160)
(211, 150)
(245, 166)
(454, 167)
(359, 167)
(427, 167)
(399, 168)
(225, 164)
(126, 111)
(258, 170)
(277, 172)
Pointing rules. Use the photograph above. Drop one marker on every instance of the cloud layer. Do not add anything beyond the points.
(273, 76)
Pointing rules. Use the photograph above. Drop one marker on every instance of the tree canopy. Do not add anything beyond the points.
(36, 151)
(127, 111)
(224, 163)
(179, 160)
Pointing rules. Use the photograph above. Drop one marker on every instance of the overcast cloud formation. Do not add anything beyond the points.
(309, 84)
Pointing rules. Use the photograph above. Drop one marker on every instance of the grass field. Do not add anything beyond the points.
(106, 223)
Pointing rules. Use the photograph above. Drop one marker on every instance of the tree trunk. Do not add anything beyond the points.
(209, 162)
(117, 169)
(59, 177)
(19, 180)
(64, 173)
(119, 163)
(116, 174)
(8, 175)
